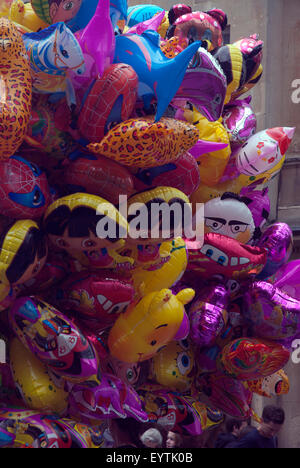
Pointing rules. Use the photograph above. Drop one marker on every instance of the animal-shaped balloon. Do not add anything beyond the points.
(222, 255)
(174, 366)
(112, 398)
(230, 216)
(164, 274)
(271, 313)
(272, 385)
(277, 239)
(264, 150)
(225, 393)
(138, 13)
(24, 191)
(16, 89)
(23, 16)
(213, 162)
(23, 428)
(204, 85)
(110, 101)
(144, 143)
(239, 121)
(23, 252)
(208, 314)
(159, 77)
(54, 339)
(197, 25)
(155, 320)
(252, 358)
(100, 176)
(151, 23)
(182, 174)
(52, 52)
(95, 298)
(89, 228)
(34, 382)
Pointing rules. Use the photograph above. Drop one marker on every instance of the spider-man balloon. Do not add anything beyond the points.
(24, 190)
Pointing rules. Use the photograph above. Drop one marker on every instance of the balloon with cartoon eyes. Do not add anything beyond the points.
(24, 189)
(174, 366)
(134, 374)
(96, 298)
(229, 215)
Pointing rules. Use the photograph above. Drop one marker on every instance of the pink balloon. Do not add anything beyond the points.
(287, 279)
(97, 41)
(152, 23)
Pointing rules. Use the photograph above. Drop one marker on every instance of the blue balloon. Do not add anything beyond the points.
(159, 77)
(139, 13)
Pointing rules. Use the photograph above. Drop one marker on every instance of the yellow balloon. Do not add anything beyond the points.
(35, 384)
(23, 15)
(152, 279)
(149, 324)
(174, 366)
(211, 165)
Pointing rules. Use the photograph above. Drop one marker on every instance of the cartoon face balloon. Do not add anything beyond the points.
(174, 366)
(229, 216)
(24, 190)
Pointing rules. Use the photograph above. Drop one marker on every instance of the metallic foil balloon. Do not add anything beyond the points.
(111, 398)
(273, 385)
(239, 120)
(54, 339)
(208, 314)
(21, 428)
(252, 358)
(270, 312)
(225, 393)
(287, 278)
(277, 240)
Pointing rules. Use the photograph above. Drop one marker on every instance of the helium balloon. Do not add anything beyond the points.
(21, 428)
(112, 398)
(35, 384)
(16, 89)
(197, 25)
(225, 393)
(229, 216)
(252, 358)
(54, 339)
(100, 176)
(287, 278)
(174, 366)
(159, 76)
(271, 313)
(151, 23)
(222, 255)
(24, 191)
(239, 121)
(23, 16)
(277, 239)
(51, 53)
(95, 298)
(110, 101)
(208, 314)
(264, 150)
(273, 385)
(147, 325)
(204, 85)
(182, 174)
(138, 13)
(258, 203)
(144, 143)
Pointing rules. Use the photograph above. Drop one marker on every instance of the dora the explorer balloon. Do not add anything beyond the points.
(89, 228)
(23, 252)
(53, 11)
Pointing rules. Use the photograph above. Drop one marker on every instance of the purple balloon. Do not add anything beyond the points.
(258, 203)
(204, 85)
(112, 398)
(270, 312)
(208, 314)
(277, 239)
(287, 278)
(239, 120)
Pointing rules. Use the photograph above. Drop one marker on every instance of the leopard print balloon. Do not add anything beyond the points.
(15, 89)
(141, 142)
